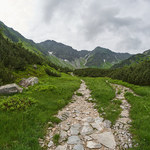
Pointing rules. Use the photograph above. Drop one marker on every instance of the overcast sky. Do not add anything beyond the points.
(120, 25)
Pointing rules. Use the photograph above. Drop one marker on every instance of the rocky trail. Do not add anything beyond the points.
(82, 128)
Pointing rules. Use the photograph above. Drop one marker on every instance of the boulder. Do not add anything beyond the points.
(29, 81)
(10, 89)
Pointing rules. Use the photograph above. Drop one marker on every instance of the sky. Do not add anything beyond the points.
(120, 25)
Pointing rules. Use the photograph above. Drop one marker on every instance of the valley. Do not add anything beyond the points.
(80, 100)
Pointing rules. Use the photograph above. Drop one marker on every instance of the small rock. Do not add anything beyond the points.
(107, 123)
(99, 119)
(125, 146)
(97, 126)
(65, 127)
(90, 99)
(91, 144)
(35, 66)
(88, 119)
(63, 135)
(87, 138)
(50, 144)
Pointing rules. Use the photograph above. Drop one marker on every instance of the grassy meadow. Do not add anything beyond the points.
(20, 129)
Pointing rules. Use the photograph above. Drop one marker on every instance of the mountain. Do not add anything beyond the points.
(147, 52)
(99, 57)
(64, 55)
(61, 50)
(104, 58)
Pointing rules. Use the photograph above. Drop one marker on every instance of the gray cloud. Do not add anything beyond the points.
(121, 25)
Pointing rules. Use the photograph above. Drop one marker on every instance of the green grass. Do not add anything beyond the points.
(56, 138)
(20, 129)
(79, 94)
(139, 113)
(104, 93)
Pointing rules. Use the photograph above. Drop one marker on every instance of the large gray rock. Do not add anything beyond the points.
(74, 140)
(105, 138)
(97, 126)
(10, 89)
(93, 145)
(63, 135)
(29, 81)
(75, 129)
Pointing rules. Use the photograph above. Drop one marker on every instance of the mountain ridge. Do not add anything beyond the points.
(99, 57)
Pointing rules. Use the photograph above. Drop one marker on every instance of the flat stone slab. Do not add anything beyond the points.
(93, 145)
(60, 147)
(105, 138)
(74, 140)
(78, 147)
(87, 129)
(97, 126)
(75, 129)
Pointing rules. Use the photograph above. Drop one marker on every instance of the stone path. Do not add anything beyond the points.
(123, 137)
(82, 128)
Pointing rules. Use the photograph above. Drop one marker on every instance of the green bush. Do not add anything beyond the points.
(41, 88)
(51, 73)
(16, 103)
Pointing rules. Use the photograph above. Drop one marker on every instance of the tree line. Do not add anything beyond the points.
(138, 74)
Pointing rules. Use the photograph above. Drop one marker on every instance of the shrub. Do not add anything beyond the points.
(16, 103)
(41, 88)
(51, 73)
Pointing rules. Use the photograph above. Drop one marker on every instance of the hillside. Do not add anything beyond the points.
(16, 37)
(135, 59)
(14, 57)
